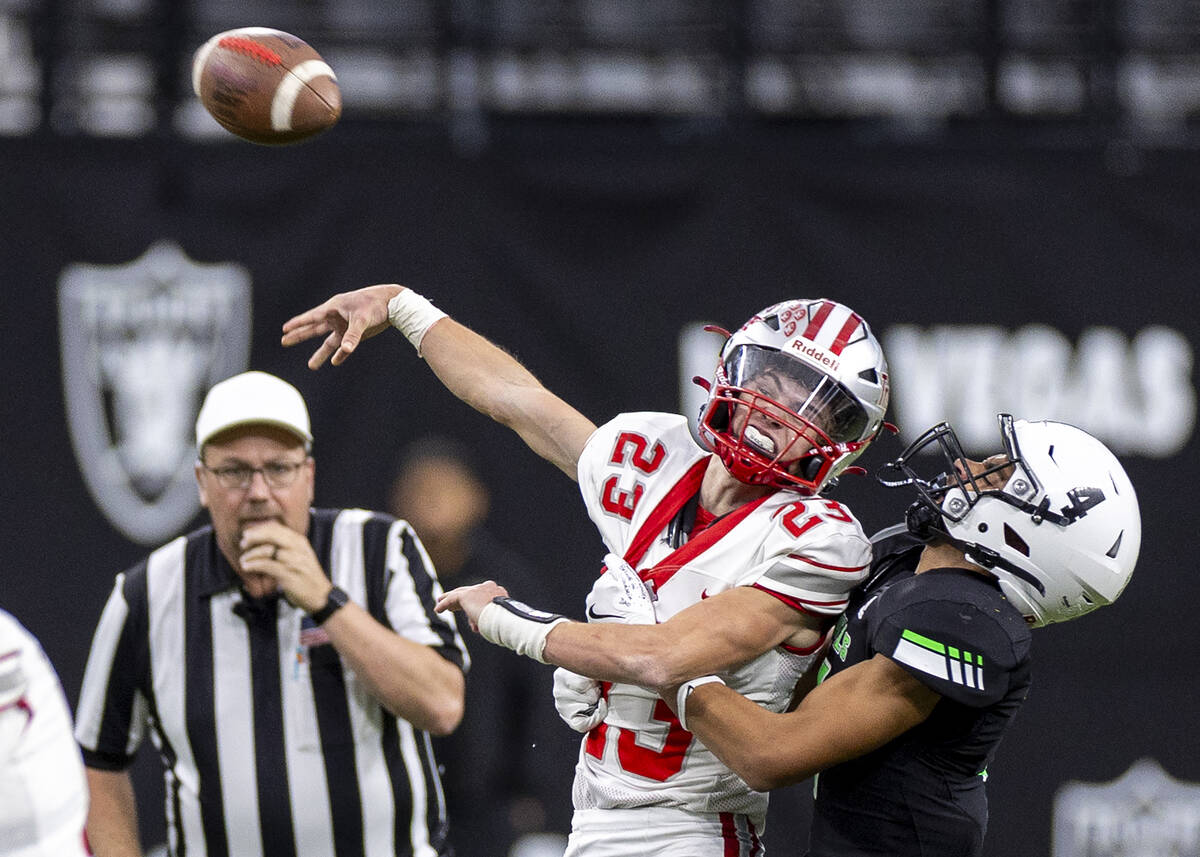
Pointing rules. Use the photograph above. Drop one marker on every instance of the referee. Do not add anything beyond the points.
(286, 661)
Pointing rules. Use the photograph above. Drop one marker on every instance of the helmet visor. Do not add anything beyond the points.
(811, 394)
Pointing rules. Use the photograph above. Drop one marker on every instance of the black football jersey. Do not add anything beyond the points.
(923, 793)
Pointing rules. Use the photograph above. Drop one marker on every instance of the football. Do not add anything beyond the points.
(266, 86)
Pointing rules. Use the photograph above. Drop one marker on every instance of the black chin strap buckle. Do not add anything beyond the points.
(921, 519)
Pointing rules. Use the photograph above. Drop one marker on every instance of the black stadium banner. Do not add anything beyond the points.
(1041, 281)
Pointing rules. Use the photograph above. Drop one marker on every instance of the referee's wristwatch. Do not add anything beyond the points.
(336, 601)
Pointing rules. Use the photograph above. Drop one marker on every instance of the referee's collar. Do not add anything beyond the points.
(216, 575)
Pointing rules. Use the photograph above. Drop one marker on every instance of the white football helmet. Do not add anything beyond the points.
(800, 391)
(1062, 535)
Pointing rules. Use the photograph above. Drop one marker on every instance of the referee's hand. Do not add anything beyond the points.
(281, 553)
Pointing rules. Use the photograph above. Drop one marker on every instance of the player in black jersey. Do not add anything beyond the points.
(932, 658)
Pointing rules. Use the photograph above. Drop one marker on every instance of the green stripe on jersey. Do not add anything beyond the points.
(932, 645)
(939, 660)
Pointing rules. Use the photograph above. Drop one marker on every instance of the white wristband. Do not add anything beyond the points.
(413, 315)
(685, 690)
(517, 626)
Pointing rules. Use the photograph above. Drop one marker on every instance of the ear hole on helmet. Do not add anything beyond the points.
(869, 375)
(720, 416)
(810, 468)
(1014, 541)
(1111, 553)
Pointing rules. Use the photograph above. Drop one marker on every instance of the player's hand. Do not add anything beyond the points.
(470, 600)
(281, 553)
(579, 701)
(347, 318)
(620, 595)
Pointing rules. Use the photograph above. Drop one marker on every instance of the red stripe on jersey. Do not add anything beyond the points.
(697, 545)
(729, 834)
(825, 566)
(797, 650)
(798, 603)
(816, 320)
(657, 520)
(593, 744)
(851, 325)
(659, 765)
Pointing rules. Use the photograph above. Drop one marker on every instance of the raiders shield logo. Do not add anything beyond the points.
(1144, 811)
(141, 343)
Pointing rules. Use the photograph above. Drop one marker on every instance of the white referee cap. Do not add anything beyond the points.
(252, 398)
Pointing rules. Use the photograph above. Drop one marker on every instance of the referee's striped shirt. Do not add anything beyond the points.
(271, 746)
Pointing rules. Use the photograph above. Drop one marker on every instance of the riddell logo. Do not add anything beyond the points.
(820, 355)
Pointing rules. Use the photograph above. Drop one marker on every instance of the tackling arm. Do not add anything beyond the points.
(852, 713)
(475, 370)
(716, 635)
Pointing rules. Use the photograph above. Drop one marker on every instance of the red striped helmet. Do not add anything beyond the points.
(800, 391)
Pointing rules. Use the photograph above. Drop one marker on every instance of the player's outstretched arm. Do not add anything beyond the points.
(475, 370)
(852, 713)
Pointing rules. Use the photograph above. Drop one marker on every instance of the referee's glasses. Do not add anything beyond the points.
(278, 474)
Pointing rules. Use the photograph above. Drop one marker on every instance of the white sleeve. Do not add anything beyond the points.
(625, 461)
(45, 799)
(13, 684)
(593, 473)
(816, 572)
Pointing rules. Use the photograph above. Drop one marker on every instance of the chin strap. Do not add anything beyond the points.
(920, 519)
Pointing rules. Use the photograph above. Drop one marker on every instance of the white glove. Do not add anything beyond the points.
(620, 595)
(578, 700)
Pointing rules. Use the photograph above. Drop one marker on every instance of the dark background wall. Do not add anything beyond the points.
(583, 248)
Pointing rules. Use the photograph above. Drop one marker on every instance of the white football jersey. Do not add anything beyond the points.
(43, 793)
(635, 473)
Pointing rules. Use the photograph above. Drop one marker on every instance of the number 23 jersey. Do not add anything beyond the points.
(636, 475)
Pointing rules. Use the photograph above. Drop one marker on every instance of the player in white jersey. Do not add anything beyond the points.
(43, 794)
(748, 563)
(755, 545)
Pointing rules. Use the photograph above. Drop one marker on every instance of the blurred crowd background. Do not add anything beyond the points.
(120, 68)
(1007, 190)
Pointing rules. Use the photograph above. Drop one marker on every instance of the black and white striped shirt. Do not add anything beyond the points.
(271, 746)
